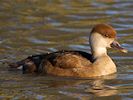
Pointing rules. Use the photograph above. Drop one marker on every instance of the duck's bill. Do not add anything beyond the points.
(116, 45)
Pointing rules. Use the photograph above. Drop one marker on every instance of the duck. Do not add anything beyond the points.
(74, 63)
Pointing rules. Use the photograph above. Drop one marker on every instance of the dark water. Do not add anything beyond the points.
(37, 26)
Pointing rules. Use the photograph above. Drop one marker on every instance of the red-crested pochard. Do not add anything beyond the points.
(77, 63)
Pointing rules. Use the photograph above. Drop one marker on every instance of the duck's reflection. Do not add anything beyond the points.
(84, 88)
(99, 88)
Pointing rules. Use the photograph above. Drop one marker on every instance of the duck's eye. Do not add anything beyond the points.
(106, 35)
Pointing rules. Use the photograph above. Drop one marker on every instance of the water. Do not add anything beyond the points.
(37, 26)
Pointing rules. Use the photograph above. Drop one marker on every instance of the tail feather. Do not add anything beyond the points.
(30, 64)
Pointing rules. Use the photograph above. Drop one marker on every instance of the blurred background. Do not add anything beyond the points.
(30, 27)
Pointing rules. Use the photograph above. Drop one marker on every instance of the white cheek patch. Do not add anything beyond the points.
(100, 43)
(98, 40)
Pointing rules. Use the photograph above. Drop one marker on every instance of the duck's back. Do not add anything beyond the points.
(68, 59)
(49, 63)
(65, 63)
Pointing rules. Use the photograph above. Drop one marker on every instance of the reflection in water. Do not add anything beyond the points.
(96, 87)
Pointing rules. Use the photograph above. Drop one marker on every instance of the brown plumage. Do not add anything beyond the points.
(104, 30)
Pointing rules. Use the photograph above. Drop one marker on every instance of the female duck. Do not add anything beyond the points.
(77, 63)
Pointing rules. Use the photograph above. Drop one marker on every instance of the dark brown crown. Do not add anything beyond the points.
(104, 30)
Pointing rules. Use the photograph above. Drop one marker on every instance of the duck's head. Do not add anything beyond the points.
(103, 36)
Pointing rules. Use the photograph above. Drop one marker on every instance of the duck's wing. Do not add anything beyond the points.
(62, 59)
(68, 59)
(67, 63)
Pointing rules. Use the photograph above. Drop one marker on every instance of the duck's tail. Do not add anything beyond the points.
(30, 64)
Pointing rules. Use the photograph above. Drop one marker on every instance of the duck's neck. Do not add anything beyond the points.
(98, 52)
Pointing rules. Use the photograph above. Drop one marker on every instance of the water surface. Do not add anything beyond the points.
(30, 27)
